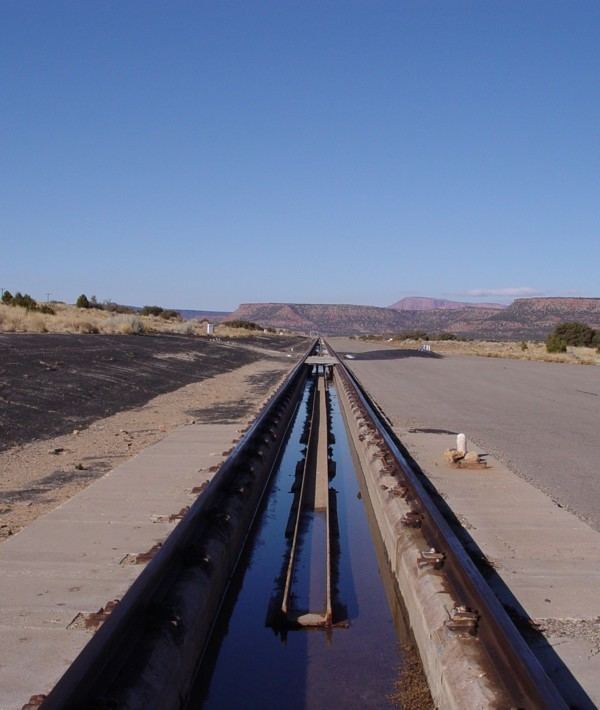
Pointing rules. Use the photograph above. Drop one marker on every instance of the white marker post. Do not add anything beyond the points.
(461, 444)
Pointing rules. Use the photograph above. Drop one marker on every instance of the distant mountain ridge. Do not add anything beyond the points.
(524, 319)
(324, 318)
(420, 303)
(535, 317)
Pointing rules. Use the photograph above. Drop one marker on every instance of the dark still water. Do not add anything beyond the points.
(250, 665)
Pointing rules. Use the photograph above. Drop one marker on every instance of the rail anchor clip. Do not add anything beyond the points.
(463, 621)
(430, 558)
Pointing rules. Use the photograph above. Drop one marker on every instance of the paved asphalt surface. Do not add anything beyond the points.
(541, 419)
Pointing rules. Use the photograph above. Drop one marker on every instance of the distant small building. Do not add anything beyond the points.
(210, 328)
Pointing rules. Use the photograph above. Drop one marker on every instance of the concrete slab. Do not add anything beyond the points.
(74, 559)
(53, 599)
(73, 541)
(327, 360)
(34, 658)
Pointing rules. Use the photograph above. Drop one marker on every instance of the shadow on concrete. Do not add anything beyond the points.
(431, 431)
(225, 413)
(392, 354)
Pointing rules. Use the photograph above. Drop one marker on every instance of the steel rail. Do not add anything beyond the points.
(310, 469)
(185, 583)
(517, 668)
(308, 462)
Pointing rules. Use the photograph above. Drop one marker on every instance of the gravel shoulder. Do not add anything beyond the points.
(127, 393)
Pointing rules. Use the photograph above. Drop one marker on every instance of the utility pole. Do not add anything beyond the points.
(48, 297)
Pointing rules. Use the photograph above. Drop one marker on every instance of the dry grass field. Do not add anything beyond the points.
(515, 351)
(70, 319)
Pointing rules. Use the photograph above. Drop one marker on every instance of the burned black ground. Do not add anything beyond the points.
(51, 384)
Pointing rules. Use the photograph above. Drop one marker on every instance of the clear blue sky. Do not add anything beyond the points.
(199, 154)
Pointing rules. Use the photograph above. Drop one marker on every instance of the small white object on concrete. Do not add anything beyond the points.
(461, 443)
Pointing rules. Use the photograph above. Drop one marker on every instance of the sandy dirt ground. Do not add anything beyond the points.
(37, 476)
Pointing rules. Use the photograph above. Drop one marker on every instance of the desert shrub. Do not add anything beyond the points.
(113, 307)
(446, 336)
(135, 326)
(239, 323)
(24, 300)
(125, 325)
(86, 327)
(82, 301)
(35, 324)
(20, 320)
(524, 346)
(186, 327)
(7, 321)
(555, 344)
(152, 311)
(48, 310)
(574, 333)
(158, 311)
(412, 335)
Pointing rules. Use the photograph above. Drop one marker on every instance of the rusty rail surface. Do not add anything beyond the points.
(478, 611)
(147, 651)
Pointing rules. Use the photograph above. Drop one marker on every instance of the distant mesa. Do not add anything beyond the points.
(328, 319)
(524, 319)
(419, 303)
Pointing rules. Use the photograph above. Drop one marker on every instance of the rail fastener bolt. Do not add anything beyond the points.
(430, 558)
(412, 519)
(463, 621)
